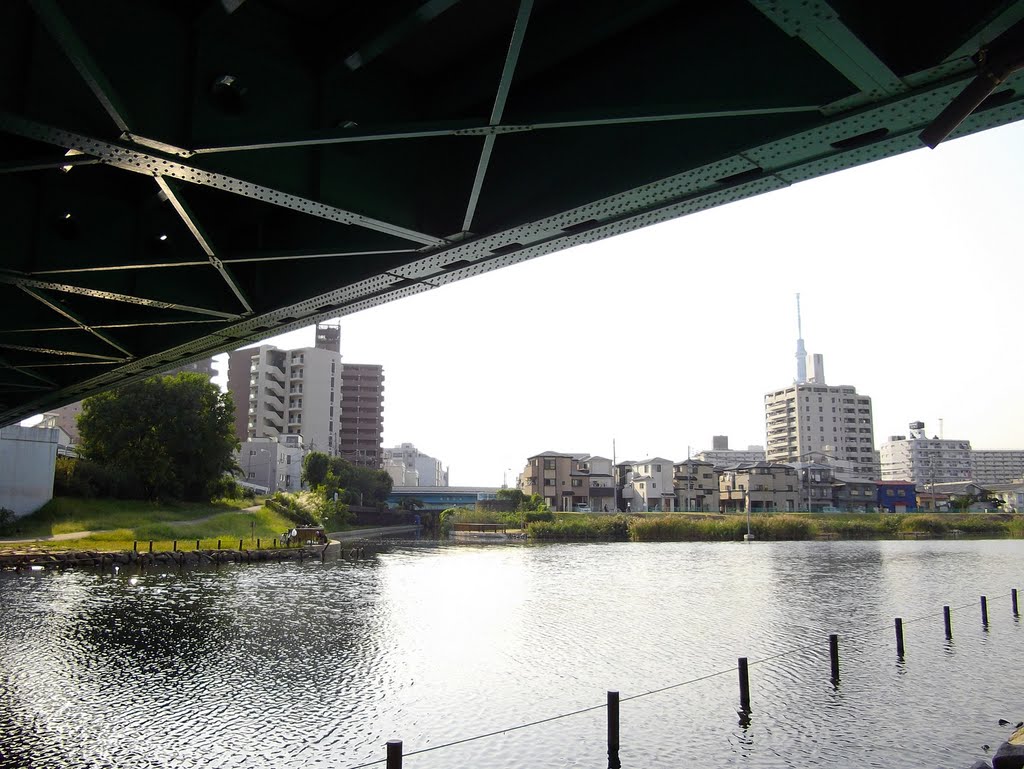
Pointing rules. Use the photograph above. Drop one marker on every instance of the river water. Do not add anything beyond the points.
(319, 664)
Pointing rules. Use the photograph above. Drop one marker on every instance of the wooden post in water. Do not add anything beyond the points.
(744, 686)
(174, 547)
(833, 653)
(218, 544)
(613, 731)
(984, 611)
(394, 754)
(239, 546)
(899, 638)
(948, 624)
(135, 546)
(1013, 600)
(275, 543)
(151, 546)
(197, 544)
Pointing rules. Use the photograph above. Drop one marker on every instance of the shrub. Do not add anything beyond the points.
(87, 480)
(294, 507)
(783, 527)
(533, 516)
(923, 524)
(676, 528)
(580, 527)
(853, 528)
(7, 519)
(981, 524)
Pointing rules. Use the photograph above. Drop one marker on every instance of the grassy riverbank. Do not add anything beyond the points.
(682, 527)
(114, 525)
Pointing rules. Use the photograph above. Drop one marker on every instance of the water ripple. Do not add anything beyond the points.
(317, 665)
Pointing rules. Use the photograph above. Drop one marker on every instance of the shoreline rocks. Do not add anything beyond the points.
(25, 560)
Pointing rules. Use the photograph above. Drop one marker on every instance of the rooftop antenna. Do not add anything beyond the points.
(801, 353)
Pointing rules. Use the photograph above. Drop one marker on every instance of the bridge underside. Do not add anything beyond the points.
(182, 177)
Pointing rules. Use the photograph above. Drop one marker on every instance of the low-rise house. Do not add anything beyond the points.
(854, 493)
(758, 487)
(816, 483)
(696, 486)
(895, 496)
(646, 486)
(593, 481)
(1011, 494)
(956, 491)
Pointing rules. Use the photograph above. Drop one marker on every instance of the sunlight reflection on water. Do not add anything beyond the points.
(317, 665)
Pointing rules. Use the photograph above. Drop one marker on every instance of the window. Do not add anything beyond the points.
(549, 481)
(577, 482)
(549, 464)
(657, 468)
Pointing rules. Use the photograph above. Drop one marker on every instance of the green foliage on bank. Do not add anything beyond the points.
(513, 519)
(675, 528)
(165, 437)
(311, 508)
(352, 485)
(117, 524)
(580, 527)
(802, 527)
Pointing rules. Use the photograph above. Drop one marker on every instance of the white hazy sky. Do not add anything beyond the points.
(910, 275)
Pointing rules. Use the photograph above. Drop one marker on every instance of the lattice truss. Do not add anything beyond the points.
(182, 177)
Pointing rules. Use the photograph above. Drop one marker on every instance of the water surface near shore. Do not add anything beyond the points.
(318, 664)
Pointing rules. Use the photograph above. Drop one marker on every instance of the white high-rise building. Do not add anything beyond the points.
(997, 465)
(408, 466)
(805, 419)
(923, 460)
(287, 392)
(810, 419)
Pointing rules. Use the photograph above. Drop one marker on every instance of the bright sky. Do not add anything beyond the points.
(909, 271)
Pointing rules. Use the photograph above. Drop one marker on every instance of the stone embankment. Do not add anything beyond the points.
(1009, 755)
(65, 559)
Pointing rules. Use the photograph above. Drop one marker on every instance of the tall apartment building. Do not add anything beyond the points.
(287, 392)
(336, 408)
(362, 419)
(814, 417)
(811, 417)
(408, 466)
(997, 466)
(923, 460)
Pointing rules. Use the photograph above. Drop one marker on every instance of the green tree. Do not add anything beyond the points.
(164, 437)
(515, 496)
(354, 485)
(314, 468)
(410, 504)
